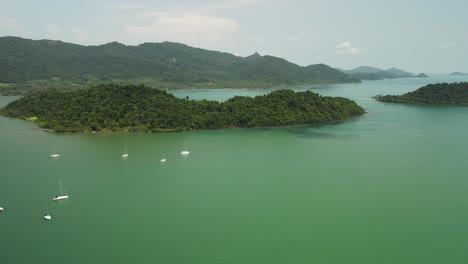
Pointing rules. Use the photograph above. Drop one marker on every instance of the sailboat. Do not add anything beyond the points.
(1, 209)
(47, 216)
(55, 154)
(125, 155)
(163, 159)
(185, 152)
(61, 196)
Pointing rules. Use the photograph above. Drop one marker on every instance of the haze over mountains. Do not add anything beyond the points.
(372, 73)
(166, 64)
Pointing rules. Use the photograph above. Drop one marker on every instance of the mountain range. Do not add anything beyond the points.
(166, 64)
(372, 73)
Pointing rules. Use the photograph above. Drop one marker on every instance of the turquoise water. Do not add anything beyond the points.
(387, 187)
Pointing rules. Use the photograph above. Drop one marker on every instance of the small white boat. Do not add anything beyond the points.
(163, 159)
(62, 196)
(125, 155)
(55, 154)
(185, 152)
(1, 209)
(47, 216)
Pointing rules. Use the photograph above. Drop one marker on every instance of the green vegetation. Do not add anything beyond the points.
(36, 65)
(439, 93)
(113, 107)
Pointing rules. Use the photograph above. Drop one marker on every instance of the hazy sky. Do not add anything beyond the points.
(415, 35)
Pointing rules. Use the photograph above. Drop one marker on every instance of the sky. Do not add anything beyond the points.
(418, 36)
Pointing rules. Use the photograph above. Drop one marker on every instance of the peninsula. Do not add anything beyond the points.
(113, 107)
(439, 93)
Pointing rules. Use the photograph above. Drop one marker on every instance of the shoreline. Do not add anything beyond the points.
(333, 122)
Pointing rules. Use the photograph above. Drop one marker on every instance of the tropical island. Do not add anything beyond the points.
(30, 65)
(439, 93)
(113, 107)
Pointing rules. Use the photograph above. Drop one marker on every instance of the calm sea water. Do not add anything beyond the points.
(388, 187)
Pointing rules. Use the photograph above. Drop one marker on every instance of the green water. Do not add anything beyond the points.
(387, 187)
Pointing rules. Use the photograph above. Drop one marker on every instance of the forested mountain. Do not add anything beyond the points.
(439, 93)
(166, 64)
(138, 108)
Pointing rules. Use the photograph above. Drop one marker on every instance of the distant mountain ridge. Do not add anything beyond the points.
(166, 64)
(458, 73)
(373, 73)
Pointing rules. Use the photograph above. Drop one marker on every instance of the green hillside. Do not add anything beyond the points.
(36, 64)
(138, 108)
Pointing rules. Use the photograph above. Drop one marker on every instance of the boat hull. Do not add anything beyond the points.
(60, 197)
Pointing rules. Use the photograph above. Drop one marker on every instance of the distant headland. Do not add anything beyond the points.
(439, 93)
(373, 73)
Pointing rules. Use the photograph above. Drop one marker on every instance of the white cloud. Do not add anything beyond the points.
(257, 38)
(189, 28)
(347, 48)
(81, 35)
(55, 32)
(9, 24)
(447, 45)
(230, 4)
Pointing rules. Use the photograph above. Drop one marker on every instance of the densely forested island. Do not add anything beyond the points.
(29, 65)
(113, 107)
(439, 93)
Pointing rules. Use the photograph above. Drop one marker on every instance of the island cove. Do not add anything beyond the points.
(114, 107)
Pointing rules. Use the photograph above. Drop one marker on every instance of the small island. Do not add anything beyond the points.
(113, 107)
(457, 73)
(422, 75)
(439, 93)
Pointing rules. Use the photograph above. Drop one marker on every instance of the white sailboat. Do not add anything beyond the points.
(1, 209)
(125, 155)
(47, 216)
(185, 152)
(55, 154)
(62, 196)
(163, 158)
